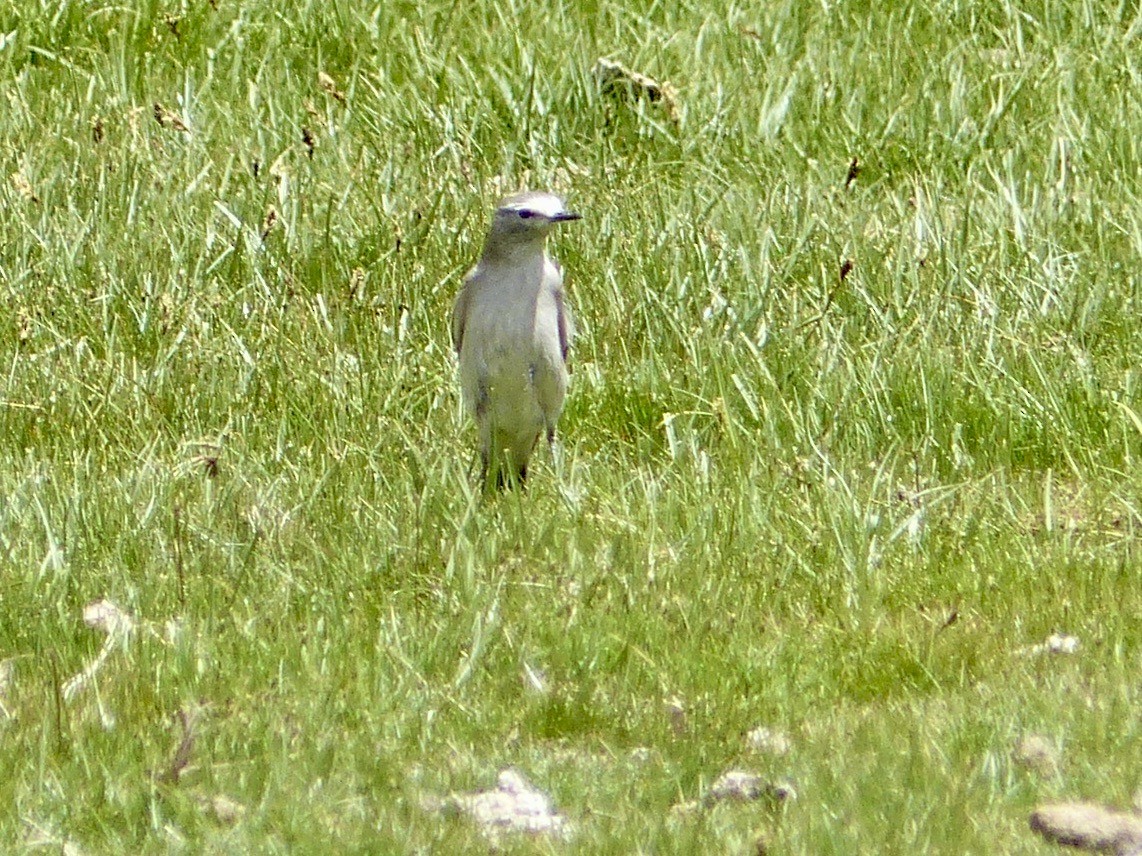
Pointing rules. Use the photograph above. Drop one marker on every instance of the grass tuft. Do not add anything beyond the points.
(854, 424)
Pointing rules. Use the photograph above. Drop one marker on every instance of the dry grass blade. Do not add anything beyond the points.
(108, 618)
(169, 119)
(329, 87)
(271, 220)
(181, 758)
(23, 187)
(617, 81)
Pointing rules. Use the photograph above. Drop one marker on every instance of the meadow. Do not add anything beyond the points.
(855, 425)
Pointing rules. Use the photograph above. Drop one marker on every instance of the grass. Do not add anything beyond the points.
(835, 506)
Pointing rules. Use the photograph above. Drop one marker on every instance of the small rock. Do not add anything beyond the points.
(640, 754)
(740, 785)
(768, 741)
(1061, 643)
(514, 806)
(107, 617)
(744, 786)
(1056, 643)
(1037, 753)
(1089, 827)
(736, 785)
(227, 811)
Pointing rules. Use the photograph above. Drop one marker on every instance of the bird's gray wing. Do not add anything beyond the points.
(460, 312)
(564, 321)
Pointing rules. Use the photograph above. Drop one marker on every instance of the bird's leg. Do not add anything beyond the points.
(554, 451)
(507, 479)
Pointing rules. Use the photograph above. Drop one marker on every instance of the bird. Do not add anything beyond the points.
(512, 329)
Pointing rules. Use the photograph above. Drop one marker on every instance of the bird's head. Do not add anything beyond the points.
(530, 215)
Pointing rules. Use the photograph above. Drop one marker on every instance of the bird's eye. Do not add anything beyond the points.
(526, 215)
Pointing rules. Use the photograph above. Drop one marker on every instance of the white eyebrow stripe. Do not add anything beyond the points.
(546, 206)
